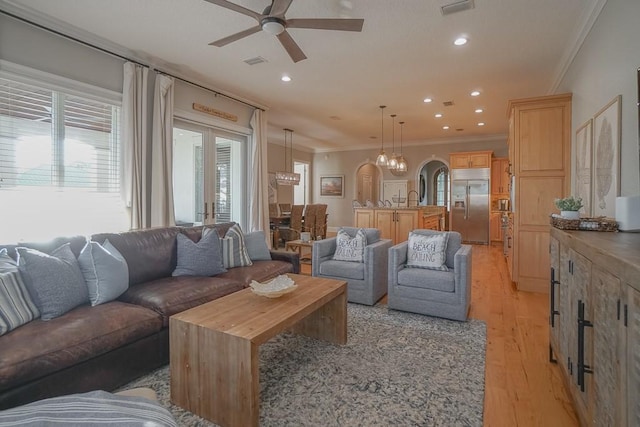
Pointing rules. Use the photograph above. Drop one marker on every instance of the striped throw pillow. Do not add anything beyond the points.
(234, 248)
(16, 305)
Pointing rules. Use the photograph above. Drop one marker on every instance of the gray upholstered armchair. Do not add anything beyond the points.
(367, 280)
(432, 292)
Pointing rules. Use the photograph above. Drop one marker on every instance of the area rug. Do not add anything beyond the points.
(396, 369)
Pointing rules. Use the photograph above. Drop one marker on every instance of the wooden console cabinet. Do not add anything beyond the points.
(594, 314)
(540, 156)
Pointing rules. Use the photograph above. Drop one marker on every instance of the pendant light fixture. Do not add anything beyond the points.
(393, 160)
(382, 160)
(402, 163)
(285, 177)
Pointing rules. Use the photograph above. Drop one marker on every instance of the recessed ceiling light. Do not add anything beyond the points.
(285, 78)
(481, 124)
(445, 127)
(475, 93)
(479, 110)
(428, 100)
(438, 115)
(460, 41)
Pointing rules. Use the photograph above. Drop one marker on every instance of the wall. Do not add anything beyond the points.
(348, 162)
(605, 66)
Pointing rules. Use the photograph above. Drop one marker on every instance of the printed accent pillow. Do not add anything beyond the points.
(54, 281)
(257, 248)
(350, 248)
(234, 248)
(16, 306)
(427, 251)
(105, 271)
(199, 259)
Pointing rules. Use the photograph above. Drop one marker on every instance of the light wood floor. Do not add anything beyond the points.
(521, 387)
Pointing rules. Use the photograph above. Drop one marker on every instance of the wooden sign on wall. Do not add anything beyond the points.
(214, 112)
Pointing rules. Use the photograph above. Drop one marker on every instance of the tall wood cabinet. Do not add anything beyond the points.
(539, 154)
(594, 327)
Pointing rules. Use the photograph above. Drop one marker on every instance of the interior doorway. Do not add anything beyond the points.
(367, 184)
(434, 185)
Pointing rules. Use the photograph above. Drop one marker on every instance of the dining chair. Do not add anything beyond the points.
(285, 208)
(292, 232)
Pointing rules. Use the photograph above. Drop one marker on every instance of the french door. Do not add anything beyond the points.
(208, 174)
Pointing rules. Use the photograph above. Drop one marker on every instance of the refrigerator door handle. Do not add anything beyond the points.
(466, 203)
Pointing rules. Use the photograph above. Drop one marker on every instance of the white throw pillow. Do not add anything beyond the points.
(427, 251)
(105, 271)
(350, 248)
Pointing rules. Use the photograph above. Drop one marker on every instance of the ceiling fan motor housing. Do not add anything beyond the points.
(272, 25)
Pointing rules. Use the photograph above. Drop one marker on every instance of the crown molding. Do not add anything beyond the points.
(589, 17)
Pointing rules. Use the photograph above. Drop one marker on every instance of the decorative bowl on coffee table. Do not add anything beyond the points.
(275, 288)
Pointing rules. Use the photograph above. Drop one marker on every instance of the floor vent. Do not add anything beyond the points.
(456, 6)
(256, 60)
(448, 103)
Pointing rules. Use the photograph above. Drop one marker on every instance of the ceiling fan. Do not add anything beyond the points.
(273, 21)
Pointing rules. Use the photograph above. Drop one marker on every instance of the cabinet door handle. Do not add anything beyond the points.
(583, 368)
(552, 309)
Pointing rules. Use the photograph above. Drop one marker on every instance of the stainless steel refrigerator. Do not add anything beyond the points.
(470, 204)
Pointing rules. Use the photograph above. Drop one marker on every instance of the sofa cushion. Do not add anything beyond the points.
(105, 271)
(90, 409)
(427, 251)
(199, 259)
(16, 306)
(234, 249)
(150, 253)
(171, 295)
(343, 269)
(350, 248)
(427, 279)
(40, 348)
(257, 246)
(54, 281)
(260, 271)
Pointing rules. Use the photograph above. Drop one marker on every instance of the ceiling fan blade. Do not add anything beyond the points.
(280, 7)
(291, 47)
(236, 8)
(327, 24)
(237, 36)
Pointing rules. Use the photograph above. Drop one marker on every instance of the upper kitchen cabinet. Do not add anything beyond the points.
(500, 176)
(540, 152)
(474, 159)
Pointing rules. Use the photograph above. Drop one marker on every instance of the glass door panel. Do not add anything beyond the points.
(188, 176)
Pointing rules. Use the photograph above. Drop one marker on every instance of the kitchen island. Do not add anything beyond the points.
(396, 223)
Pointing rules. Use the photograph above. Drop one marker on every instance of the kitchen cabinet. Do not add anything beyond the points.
(395, 224)
(472, 159)
(495, 227)
(540, 156)
(500, 176)
(594, 328)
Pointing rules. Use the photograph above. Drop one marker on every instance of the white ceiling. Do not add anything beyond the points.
(405, 52)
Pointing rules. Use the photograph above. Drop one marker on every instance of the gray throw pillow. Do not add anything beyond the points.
(427, 251)
(257, 246)
(105, 271)
(350, 248)
(234, 249)
(199, 259)
(16, 306)
(54, 281)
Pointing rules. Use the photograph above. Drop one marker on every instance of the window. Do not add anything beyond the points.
(59, 163)
(441, 184)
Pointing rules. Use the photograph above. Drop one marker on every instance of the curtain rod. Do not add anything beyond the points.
(209, 89)
(117, 55)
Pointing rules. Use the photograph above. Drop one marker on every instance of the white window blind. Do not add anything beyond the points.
(59, 164)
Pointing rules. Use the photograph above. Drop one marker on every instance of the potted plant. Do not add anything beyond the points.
(569, 207)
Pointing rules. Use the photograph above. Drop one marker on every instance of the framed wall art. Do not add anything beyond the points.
(583, 156)
(332, 185)
(606, 159)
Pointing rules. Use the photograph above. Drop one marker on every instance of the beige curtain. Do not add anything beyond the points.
(133, 176)
(162, 213)
(259, 191)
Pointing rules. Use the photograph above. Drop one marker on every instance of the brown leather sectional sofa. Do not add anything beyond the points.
(106, 346)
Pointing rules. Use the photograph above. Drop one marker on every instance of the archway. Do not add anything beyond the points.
(433, 186)
(367, 183)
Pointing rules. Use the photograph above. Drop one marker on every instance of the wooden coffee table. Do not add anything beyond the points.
(214, 347)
